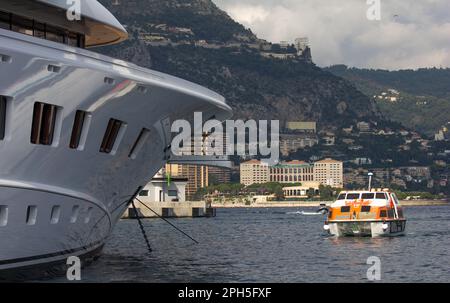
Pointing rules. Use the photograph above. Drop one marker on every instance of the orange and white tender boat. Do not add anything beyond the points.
(372, 213)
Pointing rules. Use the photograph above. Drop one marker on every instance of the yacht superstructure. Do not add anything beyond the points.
(79, 132)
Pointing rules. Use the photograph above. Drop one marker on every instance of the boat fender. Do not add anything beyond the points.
(326, 227)
(385, 226)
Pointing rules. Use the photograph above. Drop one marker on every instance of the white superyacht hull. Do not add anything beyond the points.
(56, 201)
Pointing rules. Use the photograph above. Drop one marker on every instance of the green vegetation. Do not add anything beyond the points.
(420, 195)
(424, 101)
(235, 190)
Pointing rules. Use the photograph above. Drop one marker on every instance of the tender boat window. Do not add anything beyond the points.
(367, 196)
(383, 213)
(365, 209)
(341, 197)
(352, 196)
(390, 213)
(345, 209)
(381, 196)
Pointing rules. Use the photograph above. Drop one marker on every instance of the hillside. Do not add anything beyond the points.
(195, 40)
(423, 100)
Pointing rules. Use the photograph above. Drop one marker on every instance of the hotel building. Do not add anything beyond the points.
(326, 172)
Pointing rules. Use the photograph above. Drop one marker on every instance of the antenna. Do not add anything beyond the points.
(370, 181)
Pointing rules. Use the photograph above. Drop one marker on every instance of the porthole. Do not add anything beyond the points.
(3, 215)
(56, 213)
(75, 213)
(31, 215)
(87, 219)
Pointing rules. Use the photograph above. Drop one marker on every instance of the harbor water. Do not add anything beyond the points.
(272, 245)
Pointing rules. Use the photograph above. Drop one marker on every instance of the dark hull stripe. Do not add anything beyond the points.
(52, 255)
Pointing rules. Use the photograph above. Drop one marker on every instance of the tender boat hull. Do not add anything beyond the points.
(367, 228)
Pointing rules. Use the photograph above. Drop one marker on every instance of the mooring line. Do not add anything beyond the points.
(141, 226)
(165, 220)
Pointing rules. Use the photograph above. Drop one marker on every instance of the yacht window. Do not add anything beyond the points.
(367, 196)
(381, 196)
(39, 30)
(172, 193)
(31, 215)
(72, 39)
(54, 34)
(44, 120)
(3, 215)
(5, 20)
(77, 130)
(22, 25)
(143, 136)
(56, 212)
(3, 104)
(352, 196)
(75, 212)
(88, 215)
(112, 131)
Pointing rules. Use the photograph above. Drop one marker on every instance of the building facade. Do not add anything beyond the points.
(197, 176)
(254, 172)
(326, 172)
(218, 175)
(329, 172)
(292, 172)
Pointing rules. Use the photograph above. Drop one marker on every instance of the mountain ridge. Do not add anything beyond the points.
(195, 40)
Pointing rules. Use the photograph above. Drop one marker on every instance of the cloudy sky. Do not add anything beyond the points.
(410, 34)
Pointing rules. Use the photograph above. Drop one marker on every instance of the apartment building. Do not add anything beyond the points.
(329, 172)
(254, 172)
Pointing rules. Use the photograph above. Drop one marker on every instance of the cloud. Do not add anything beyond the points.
(410, 34)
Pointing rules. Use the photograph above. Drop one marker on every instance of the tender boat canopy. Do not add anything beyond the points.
(98, 25)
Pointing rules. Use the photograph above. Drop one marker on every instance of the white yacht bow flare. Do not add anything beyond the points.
(79, 132)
